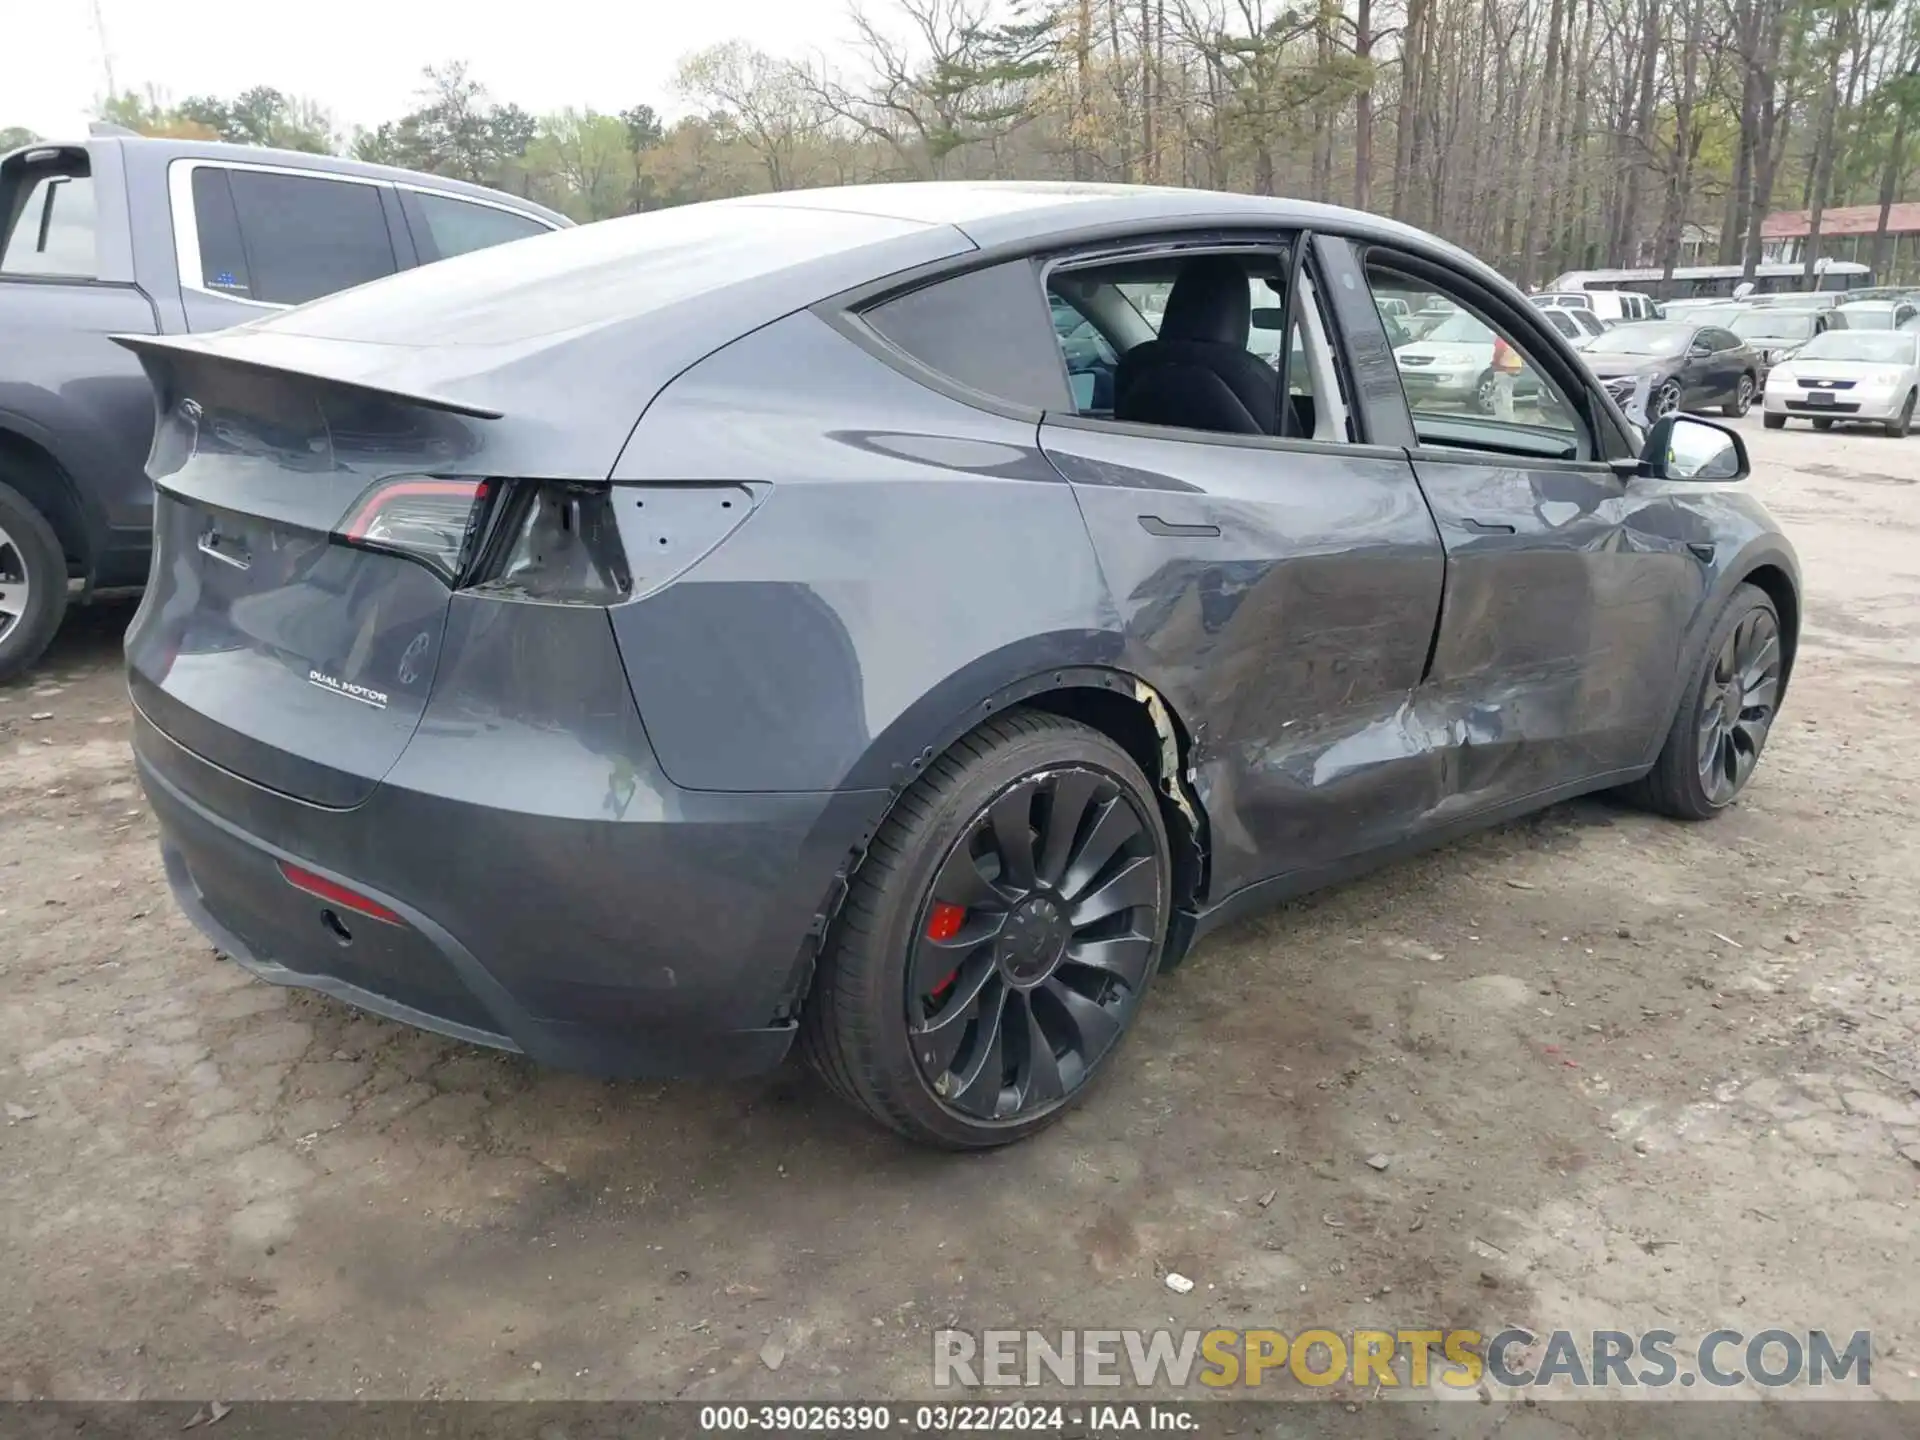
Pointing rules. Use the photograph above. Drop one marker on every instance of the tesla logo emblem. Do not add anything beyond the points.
(411, 657)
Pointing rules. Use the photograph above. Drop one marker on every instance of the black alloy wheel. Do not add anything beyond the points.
(1737, 705)
(997, 940)
(1721, 729)
(1039, 932)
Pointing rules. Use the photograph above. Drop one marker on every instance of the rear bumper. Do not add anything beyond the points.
(668, 943)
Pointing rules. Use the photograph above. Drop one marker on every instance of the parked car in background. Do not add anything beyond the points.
(168, 237)
(1452, 363)
(1877, 314)
(1856, 376)
(1617, 305)
(1803, 299)
(1579, 326)
(1775, 334)
(1686, 366)
(726, 629)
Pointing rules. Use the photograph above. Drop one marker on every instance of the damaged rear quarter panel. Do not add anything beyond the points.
(912, 556)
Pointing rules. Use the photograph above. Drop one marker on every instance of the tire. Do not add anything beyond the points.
(1823, 422)
(31, 562)
(1742, 398)
(1663, 400)
(1900, 427)
(872, 1033)
(1682, 783)
(1774, 422)
(1483, 394)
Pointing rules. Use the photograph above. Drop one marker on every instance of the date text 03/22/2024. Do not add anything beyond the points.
(1097, 1420)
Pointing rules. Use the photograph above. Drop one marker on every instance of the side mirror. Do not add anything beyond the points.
(1699, 350)
(1680, 447)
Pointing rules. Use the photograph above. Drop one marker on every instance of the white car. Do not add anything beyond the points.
(1579, 326)
(1450, 363)
(1859, 376)
(1615, 305)
(1876, 314)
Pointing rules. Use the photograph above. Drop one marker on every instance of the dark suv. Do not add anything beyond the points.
(123, 234)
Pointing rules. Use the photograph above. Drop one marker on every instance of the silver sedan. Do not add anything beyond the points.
(1858, 376)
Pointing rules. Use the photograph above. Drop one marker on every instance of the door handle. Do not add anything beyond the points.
(1487, 527)
(1154, 525)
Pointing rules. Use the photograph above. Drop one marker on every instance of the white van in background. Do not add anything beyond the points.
(1614, 305)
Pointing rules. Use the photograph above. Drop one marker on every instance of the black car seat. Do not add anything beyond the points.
(1198, 373)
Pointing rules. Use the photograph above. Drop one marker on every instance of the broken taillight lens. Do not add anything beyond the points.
(434, 521)
(558, 541)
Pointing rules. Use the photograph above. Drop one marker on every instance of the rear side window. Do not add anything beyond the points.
(287, 239)
(51, 231)
(456, 226)
(223, 260)
(988, 330)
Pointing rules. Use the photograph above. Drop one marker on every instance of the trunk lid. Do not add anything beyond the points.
(265, 643)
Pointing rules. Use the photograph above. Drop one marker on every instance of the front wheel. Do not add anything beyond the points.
(1721, 726)
(999, 937)
(1742, 398)
(1774, 422)
(1823, 422)
(1665, 399)
(1902, 424)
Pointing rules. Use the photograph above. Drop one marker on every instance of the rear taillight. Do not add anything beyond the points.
(431, 520)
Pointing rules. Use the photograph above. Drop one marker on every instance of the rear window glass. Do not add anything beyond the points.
(52, 231)
(455, 227)
(306, 237)
(987, 329)
(223, 259)
(299, 236)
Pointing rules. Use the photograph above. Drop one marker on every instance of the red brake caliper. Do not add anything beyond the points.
(943, 924)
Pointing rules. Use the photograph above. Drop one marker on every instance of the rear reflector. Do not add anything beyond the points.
(426, 519)
(322, 888)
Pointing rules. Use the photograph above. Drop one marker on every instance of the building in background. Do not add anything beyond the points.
(1847, 233)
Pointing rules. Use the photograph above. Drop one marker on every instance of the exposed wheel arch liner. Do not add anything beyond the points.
(1117, 702)
(1768, 562)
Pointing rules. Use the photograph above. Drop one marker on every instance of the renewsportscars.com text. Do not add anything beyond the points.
(1414, 1358)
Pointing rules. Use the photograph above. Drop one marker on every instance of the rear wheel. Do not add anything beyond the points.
(1742, 398)
(33, 583)
(1902, 424)
(1823, 422)
(1722, 722)
(999, 937)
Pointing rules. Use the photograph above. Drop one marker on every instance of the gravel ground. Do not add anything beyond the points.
(1625, 1073)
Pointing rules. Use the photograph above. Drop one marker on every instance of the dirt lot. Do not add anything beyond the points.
(1626, 1074)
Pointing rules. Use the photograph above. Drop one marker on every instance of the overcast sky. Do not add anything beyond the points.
(362, 58)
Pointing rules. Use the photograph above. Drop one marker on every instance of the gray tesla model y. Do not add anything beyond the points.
(902, 620)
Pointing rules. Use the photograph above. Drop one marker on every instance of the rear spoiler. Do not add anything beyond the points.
(212, 348)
